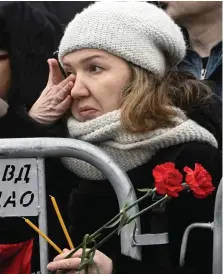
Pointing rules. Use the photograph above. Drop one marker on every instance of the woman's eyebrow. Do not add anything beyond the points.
(85, 60)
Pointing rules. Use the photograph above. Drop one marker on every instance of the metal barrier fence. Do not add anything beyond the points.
(216, 227)
(27, 155)
(22, 160)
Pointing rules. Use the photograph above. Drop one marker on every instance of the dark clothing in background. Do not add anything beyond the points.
(209, 69)
(212, 71)
(209, 116)
(30, 37)
(63, 10)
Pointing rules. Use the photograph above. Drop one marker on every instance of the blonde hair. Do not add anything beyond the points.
(146, 100)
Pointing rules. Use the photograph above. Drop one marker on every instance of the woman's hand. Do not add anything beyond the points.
(59, 263)
(55, 99)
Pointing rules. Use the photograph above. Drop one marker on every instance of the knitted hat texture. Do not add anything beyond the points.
(138, 32)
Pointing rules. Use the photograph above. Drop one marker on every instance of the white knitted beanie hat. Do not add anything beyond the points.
(138, 32)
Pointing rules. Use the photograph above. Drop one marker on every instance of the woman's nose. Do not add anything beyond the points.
(79, 89)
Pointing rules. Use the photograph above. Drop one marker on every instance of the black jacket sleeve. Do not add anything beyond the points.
(18, 124)
(209, 116)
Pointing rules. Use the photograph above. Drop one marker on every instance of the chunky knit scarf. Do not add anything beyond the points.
(130, 150)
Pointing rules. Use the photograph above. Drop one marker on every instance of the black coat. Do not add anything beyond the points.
(94, 202)
(60, 182)
(30, 38)
(63, 10)
(209, 116)
(89, 198)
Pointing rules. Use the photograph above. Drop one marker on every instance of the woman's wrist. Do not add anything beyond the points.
(39, 119)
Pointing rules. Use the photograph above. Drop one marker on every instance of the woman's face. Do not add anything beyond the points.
(100, 79)
(5, 73)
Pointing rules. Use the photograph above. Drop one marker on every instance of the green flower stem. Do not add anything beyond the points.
(96, 233)
(114, 219)
(102, 241)
(147, 208)
(127, 208)
(94, 248)
(127, 222)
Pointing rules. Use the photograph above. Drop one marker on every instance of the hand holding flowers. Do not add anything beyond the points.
(169, 181)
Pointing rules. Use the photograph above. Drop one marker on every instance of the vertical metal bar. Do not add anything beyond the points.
(216, 226)
(217, 242)
(43, 246)
(183, 248)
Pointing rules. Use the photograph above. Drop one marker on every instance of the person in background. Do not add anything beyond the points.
(63, 10)
(27, 39)
(203, 22)
(129, 100)
(202, 25)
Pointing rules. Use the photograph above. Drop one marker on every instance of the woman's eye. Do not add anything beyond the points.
(95, 69)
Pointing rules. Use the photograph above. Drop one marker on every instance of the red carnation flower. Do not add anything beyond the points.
(168, 179)
(199, 181)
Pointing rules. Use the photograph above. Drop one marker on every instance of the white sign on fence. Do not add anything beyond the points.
(18, 187)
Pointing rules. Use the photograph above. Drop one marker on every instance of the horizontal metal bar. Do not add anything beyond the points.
(65, 147)
(151, 239)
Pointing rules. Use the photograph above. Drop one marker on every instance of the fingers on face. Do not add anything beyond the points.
(65, 104)
(55, 74)
(70, 78)
(50, 77)
(62, 94)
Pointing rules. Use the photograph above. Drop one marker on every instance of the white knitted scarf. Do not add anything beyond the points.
(126, 149)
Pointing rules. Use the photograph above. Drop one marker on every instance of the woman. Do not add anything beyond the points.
(27, 40)
(128, 100)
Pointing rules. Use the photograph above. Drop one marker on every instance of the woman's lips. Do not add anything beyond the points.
(88, 113)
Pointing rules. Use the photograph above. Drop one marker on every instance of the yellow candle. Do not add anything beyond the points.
(43, 235)
(62, 222)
